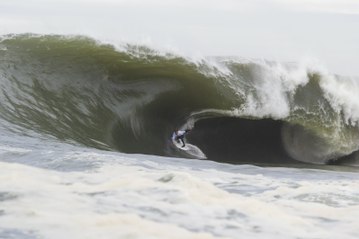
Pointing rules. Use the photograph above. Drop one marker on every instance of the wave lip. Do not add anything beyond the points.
(82, 91)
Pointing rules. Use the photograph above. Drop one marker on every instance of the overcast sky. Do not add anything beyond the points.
(284, 30)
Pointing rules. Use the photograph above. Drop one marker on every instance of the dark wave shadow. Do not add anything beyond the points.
(235, 140)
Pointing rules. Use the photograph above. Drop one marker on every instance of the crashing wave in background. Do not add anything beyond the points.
(131, 98)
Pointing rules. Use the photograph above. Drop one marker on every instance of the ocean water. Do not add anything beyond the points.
(85, 149)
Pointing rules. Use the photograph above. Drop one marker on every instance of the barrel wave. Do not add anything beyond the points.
(130, 98)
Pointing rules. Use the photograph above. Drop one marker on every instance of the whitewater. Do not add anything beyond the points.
(85, 149)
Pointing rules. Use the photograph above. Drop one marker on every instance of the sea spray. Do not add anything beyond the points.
(131, 99)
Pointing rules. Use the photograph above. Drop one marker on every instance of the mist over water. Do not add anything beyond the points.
(270, 29)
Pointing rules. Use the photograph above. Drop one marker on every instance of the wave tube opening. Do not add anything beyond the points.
(236, 140)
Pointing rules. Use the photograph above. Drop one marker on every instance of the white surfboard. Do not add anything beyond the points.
(190, 150)
(179, 145)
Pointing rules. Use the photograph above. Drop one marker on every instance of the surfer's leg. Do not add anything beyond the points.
(183, 142)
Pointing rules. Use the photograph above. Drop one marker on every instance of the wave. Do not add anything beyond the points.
(131, 98)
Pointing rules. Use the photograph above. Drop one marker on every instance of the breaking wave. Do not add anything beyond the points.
(130, 99)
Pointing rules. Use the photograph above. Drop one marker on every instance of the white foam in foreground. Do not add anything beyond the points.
(152, 197)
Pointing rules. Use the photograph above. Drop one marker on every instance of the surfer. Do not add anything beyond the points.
(178, 135)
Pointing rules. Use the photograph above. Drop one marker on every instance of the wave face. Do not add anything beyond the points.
(131, 99)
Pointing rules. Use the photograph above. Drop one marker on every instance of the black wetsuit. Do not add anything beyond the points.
(179, 136)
